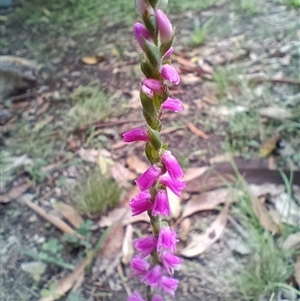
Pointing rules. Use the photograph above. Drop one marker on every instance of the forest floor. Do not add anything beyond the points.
(67, 177)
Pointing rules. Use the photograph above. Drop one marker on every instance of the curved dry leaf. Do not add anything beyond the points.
(196, 131)
(88, 154)
(194, 172)
(112, 243)
(92, 60)
(124, 215)
(122, 175)
(137, 165)
(127, 247)
(67, 283)
(200, 242)
(205, 201)
(14, 193)
(264, 217)
(69, 213)
(292, 241)
(184, 231)
(269, 146)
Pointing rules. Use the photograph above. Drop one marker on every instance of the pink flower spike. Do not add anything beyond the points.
(175, 185)
(135, 297)
(157, 298)
(172, 165)
(161, 204)
(140, 203)
(146, 180)
(168, 53)
(170, 261)
(145, 245)
(137, 134)
(153, 277)
(169, 285)
(154, 84)
(169, 73)
(167, 239)
(172, 104)
(139, 266)
(147, 91)
(141, 33)
(165, 27)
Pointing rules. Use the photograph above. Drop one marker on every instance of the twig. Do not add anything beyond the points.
(121, 274)
(23, 96)
(276, 80)
(99, 124)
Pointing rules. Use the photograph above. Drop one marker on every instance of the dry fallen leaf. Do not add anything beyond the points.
(196, 131)
(92, 60)
(88, 154)
(67, 283)
(14, 193)
(105, 164)
(137, 165)
(43, 108)
(174, 202)
(42, 123)
(264, 217)
(194, 172)
(131, 193)
(124, 215)
(200, 242)
(275, 112)
(112, 242)
(184, 231)
(292, 241)
(69, 213)
(269, 146)
(190, 79)
(54, 220)
(205, 201)
(122, 175)
(266, 188)
(297, 271)
(127, 247)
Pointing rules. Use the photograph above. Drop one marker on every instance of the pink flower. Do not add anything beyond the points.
(139, 266)
(169, 285)
(157, 298)
(164, 27)
(161, 204)
(135, 297)
(141, 33)
(172, 104)
(154, 84)
(169, 73)
(137, 134)
(153, 277)
(147, 179)
(141, 203)
(168, 53)
(145, 245)
(170, 261)
(167, 239)
(147, 91)
(171, 165)
(175, 185)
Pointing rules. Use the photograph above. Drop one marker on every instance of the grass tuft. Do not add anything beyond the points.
(95, 194)
(90, 104)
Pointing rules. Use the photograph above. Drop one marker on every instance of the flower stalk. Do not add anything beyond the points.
(156, 260)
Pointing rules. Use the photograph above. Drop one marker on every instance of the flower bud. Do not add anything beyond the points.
(141, 34)
(137, 134)
(172, 104)
(169, 73)
(165, 28)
